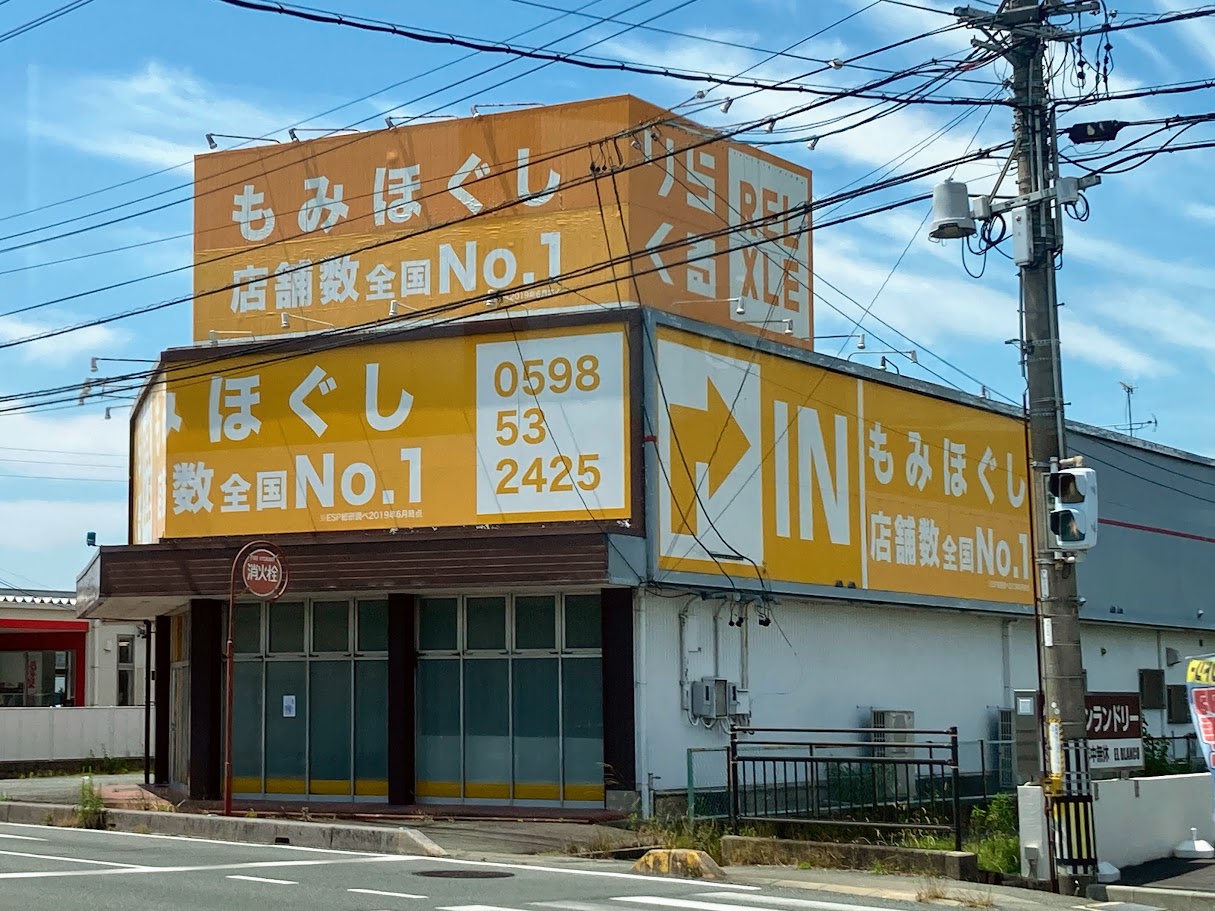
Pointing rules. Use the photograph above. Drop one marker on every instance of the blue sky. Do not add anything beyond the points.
(122, 88)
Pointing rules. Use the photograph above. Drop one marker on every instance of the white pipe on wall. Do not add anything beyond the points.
(642, 718)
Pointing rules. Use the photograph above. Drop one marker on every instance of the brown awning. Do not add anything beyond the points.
(147, 580)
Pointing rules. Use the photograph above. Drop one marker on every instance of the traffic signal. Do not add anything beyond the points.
(1073, 509)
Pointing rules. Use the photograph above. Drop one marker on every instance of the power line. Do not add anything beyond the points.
(407, 323)
(374, 25)
(193, 197)
(299, 123)
(718, 136)
(43, 20)
(116, 455)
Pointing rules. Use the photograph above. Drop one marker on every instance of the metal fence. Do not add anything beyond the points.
(1181, 753)
(870, 777)
(986, 768)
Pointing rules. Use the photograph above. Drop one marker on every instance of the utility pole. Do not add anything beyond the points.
(1019, 31)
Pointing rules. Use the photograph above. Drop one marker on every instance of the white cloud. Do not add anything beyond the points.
(1199, 211)
(1198, 33)
(155, 116)
(1148, 312)
(1097, 346)
(45, 538)
(1137, 263)
(937, 309)
(89, 340)
(43, 522)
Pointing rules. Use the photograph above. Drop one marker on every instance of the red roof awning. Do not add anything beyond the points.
(44, 626)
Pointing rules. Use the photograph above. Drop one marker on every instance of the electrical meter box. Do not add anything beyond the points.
(710, 697)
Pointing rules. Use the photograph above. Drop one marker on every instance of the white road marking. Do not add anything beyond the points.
(690, 905)
(205, 841)
(384, 894)
(71, 860)
(570, 906)
(262, 879)
(204, 868)
(21, 837)
(609, 874)
(804, 903)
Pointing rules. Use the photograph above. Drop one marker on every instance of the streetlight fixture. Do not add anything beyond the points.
(211, 137)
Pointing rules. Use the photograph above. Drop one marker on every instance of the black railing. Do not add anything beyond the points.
(863, 777)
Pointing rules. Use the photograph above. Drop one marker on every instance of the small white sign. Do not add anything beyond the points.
(1048, 633)
(288, 706)
(1115, 754)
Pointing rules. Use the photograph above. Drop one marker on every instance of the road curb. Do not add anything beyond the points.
(336, 837)
(1167, 899)
(680, 862)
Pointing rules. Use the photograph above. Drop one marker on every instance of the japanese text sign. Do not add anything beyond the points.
(572, 206)
(818, 477)
(432, 432)
(1115, 731)
(1200, 688)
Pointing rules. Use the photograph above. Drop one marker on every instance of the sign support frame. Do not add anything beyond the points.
(241, 561)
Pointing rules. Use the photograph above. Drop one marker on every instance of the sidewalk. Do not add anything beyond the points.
(856, 885)
(1172, 873)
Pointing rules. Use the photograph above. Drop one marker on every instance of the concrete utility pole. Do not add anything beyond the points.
(1021, 30)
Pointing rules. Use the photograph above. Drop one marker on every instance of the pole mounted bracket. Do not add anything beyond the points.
(1068, 185)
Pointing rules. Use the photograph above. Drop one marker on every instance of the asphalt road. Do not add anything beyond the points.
(68, 869)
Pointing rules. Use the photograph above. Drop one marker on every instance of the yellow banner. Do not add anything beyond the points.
(148, 467)
(458, 431)
(796, 473)
(1200, 670)
(329, 232)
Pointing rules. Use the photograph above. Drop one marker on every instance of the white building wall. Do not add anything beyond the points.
(825, 665)
(101, 653)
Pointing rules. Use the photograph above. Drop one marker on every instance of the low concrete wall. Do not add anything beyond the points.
(742, 850)
(363, 839)
(1137, 819)
(52, 734)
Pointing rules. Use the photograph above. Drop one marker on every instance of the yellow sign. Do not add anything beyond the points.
(805, 475)
(148, 466)
(457, 431)
(572, 206)
(1200, 670)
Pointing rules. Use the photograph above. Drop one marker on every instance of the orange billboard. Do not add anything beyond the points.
(805, 475)
(440, 432)
(611, 202)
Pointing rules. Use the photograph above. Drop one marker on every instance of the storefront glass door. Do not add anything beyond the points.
(509, 700)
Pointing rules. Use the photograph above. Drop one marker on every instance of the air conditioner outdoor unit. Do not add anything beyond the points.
(894, 735)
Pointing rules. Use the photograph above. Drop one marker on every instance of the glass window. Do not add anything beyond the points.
(582, 717)
(329, 724)
(247, 723)
(126, 651)
(486, 623)
(371, 728)
(373, 626)
(247, 637)
(440, 768)
(487, 745)
(287, 628)
(535, 696)
(536, 621)
(286, 714)
(330, 626)
(582, 622)
(437, 625)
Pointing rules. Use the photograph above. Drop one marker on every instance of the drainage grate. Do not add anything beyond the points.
(464, 874)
